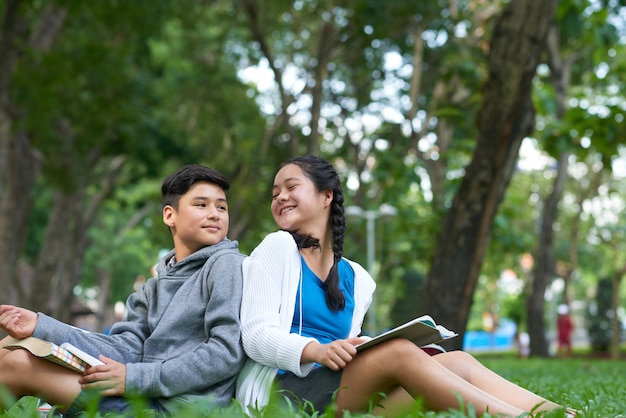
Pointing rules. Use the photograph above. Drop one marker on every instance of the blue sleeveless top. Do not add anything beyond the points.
(318, 320)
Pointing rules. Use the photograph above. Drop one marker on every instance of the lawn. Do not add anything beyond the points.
(596, 385)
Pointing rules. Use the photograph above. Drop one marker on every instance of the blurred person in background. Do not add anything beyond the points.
(565, 329)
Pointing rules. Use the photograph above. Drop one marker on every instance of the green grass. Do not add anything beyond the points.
(595, 385)
(598, 386)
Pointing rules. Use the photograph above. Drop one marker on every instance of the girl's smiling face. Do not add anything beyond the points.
(297, 205)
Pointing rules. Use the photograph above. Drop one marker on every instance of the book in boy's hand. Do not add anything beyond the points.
(421, 331)
(65, 354)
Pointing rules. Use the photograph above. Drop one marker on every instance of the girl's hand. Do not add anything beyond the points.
(109, 378)
(17, 322)
(359, 340)
(335, 355)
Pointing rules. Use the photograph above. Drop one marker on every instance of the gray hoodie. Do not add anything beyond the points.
(181, 340)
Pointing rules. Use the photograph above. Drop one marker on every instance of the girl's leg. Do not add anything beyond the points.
(466, 366)
(395, 404)
(2, 350)
(400, 364)
(24, 374)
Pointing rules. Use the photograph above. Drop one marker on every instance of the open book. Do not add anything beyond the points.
(65, 354)
(422, 331)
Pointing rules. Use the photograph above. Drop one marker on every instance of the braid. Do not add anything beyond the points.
(338, 225)
(334, 296)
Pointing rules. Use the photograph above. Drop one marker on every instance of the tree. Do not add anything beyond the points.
(506, 117)
(600, 317)
(338, 54)
(406, 307)
(19, 162)
(389, 91)
(65, 91)
(572, 52)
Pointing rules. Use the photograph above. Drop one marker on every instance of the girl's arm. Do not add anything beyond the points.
(271, 275)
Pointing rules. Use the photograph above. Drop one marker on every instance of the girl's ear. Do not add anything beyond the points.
(328, 197)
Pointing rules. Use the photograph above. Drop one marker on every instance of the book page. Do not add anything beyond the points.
(92, 361)
(48, 351)
(36, 346)
(421, 331)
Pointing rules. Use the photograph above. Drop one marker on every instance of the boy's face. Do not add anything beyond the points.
(200, 220)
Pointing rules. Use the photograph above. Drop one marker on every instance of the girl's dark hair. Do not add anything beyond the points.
(325, 177)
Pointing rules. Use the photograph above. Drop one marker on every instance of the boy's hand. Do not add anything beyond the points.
(109, 378)
(17, 322)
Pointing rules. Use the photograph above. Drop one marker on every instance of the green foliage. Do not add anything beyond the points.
(122, 245)
(89, 95)
(592, 122)
(201, 99)
(513, 307)
(6, 398)
(25, 407)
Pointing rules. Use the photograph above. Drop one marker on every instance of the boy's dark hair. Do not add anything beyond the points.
(325, 177)
(179, 183)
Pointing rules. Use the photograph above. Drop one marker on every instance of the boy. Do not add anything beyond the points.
(180, 342)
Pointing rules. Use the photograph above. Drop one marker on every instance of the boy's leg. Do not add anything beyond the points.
(24, 374)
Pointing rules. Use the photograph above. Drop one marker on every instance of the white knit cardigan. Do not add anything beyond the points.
(271, 277)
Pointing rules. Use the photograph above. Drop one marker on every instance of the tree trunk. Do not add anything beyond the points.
(506, 117)
(19, 164)
(616, 325)
(73, 262)
(9, 49)
(22, 167)
(106, 315)
(61, 257)
(54, 252)
(544, 267)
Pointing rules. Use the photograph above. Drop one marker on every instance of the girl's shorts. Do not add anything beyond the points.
(317, 388)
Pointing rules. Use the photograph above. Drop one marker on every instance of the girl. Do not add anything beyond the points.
(303, 306)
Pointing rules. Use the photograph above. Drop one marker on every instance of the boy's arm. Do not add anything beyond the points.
(17, 322)
(212, 362)
(124, 346)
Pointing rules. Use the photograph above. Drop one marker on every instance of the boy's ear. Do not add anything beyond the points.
(169, 216)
